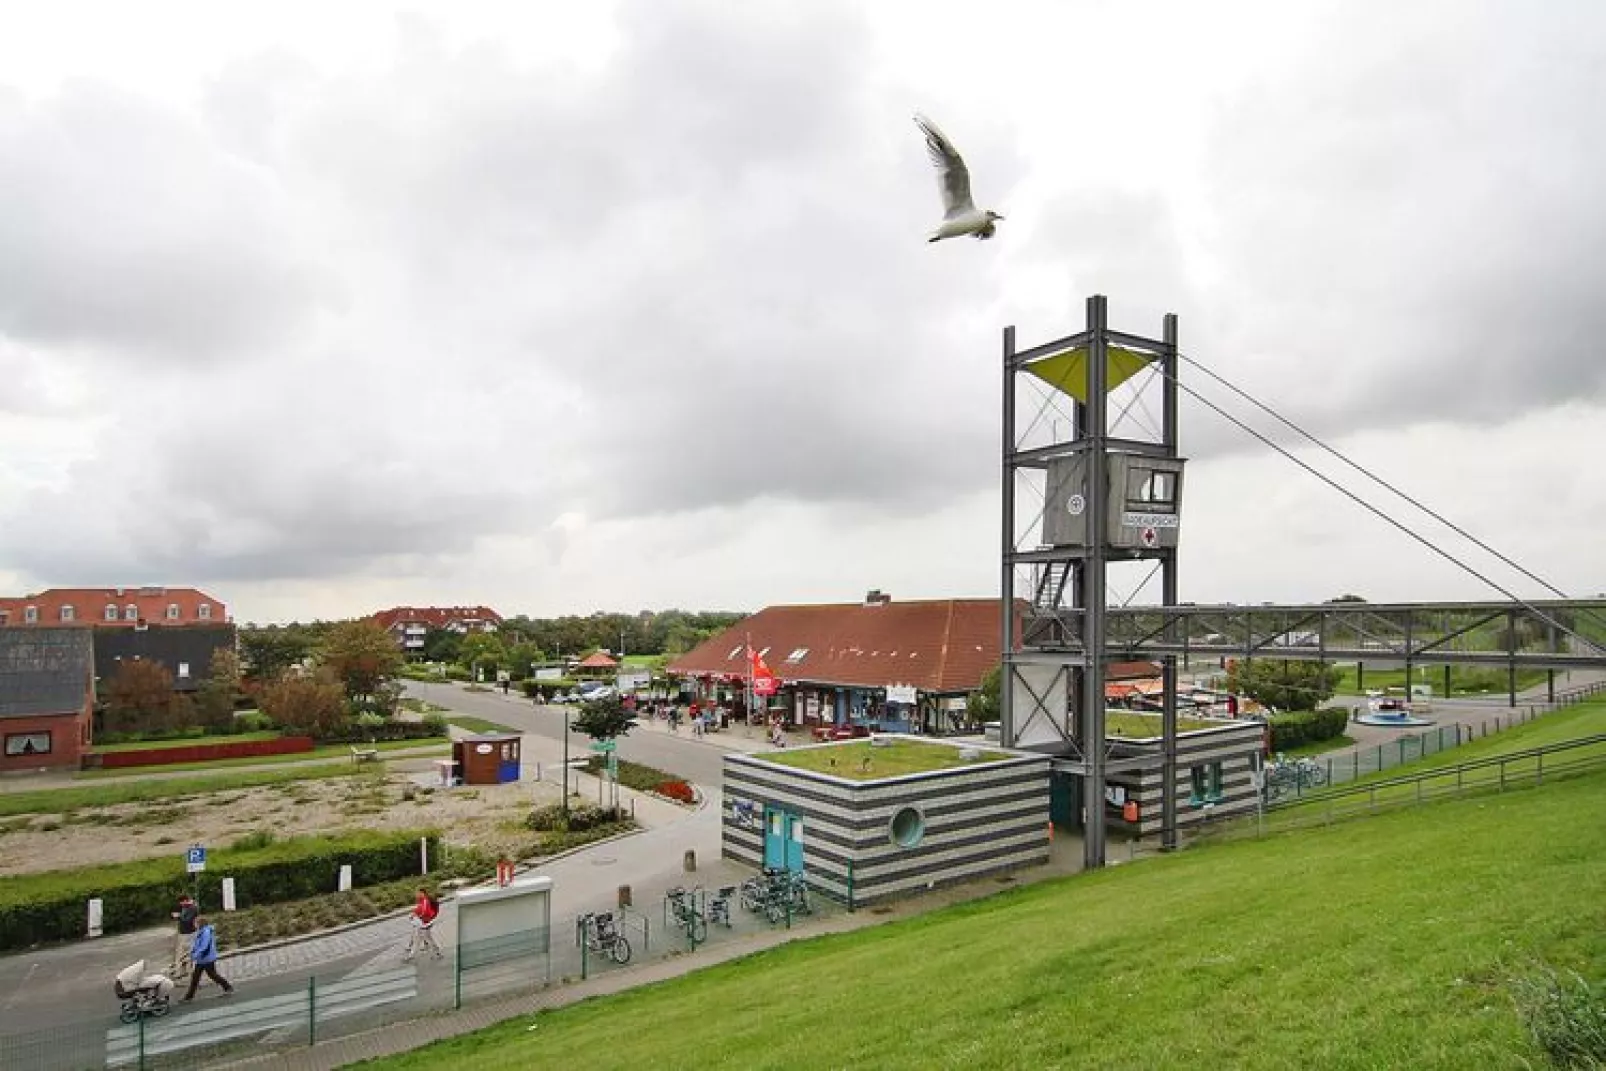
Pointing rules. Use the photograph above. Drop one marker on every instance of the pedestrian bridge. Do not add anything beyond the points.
(1551, 634)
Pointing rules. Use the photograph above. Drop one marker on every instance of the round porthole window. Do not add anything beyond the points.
(908, 826)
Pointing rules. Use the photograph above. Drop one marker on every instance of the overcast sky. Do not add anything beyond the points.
(564, 307)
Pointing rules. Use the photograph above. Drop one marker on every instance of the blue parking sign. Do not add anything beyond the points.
(195, 859)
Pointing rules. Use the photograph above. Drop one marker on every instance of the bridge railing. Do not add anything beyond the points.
(1498, 773)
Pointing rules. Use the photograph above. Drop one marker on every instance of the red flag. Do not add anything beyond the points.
(764, 682)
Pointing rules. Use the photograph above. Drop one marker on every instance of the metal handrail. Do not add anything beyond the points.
(1457, 771)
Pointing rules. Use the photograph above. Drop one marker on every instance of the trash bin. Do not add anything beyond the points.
(1129, 811)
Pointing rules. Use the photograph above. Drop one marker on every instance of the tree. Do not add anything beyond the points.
(482, 650)
(312, 705)
(1281, 684)
(442, 645)
(362, 656)
(604, 719)
(140, 697)
(214, 699)
(521, 656)
(983, 705)
(266, 653)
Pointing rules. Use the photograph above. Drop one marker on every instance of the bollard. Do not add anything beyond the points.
(624, 896)
(691, 860)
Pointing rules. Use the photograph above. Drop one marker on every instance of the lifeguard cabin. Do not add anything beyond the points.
(487, 759)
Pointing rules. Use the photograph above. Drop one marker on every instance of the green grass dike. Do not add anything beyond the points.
(1382, 942)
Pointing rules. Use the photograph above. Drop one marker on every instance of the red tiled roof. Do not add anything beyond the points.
(109, 606)
(597, 660)
(938, 645)
(435, 616)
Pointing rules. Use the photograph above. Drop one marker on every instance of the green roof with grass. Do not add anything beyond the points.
(1137, 725)
(858, 760)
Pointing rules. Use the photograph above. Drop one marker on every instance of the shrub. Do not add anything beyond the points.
(1301, 727)
(1565, 1016)
(49, 906)
(550, 817)
(677, 790)
(634, 775)
(435, 723)
(252, 721)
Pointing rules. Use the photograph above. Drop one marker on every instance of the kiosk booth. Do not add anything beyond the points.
(486, 759)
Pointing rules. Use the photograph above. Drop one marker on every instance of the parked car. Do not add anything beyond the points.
(849, 731)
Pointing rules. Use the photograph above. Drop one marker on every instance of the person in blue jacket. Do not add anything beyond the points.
(203, 954)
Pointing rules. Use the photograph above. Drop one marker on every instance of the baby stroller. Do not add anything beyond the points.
(142, 994)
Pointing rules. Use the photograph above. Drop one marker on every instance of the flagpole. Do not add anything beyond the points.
(749, 678)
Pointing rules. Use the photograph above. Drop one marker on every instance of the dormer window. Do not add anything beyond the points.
(30, 615)
(130, 612)
(205, 611)
(797, 655)
(67, 613)
(111, 612)
(172, 611)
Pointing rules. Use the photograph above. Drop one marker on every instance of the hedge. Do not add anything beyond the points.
(53, 905)
(1301, 727)
(432, 727)
(546, 689)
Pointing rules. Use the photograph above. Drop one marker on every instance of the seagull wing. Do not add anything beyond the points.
(953, 177)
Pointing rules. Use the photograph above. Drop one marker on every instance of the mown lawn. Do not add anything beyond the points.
(857, 760)
(1464, 680)
(478, 725)
(1378, 943)
(58, 800)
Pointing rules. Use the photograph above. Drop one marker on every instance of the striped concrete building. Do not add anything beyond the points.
(1212, 777)
(865, 841)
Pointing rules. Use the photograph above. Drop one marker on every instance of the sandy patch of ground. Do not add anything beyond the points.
(486, 815)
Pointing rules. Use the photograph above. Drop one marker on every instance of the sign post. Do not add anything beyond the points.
(194, 863)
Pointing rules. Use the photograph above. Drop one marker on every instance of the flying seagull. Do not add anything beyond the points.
(959, 214)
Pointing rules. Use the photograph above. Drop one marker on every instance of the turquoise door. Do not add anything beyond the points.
(783, 839)
(774, 837)
(794, 843)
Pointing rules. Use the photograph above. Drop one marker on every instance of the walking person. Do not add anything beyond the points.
(425, 912)
(203, 954)
(188, 911)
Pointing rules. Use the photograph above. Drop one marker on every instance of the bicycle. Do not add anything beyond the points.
(755, 891)
(719, 908)
(599, 934)
(682, 905)
(788, 894)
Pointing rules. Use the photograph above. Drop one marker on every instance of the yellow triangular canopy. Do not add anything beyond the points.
(1067, 371)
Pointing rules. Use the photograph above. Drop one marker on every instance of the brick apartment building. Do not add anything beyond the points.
(113, 607)
(408, 625)
(179, 627)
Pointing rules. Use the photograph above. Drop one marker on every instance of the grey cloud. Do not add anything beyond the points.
(1422, 222)
(124, 229)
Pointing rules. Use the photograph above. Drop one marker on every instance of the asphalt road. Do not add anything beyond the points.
(701, 763)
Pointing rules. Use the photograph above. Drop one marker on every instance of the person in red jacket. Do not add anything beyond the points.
(425, 912)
